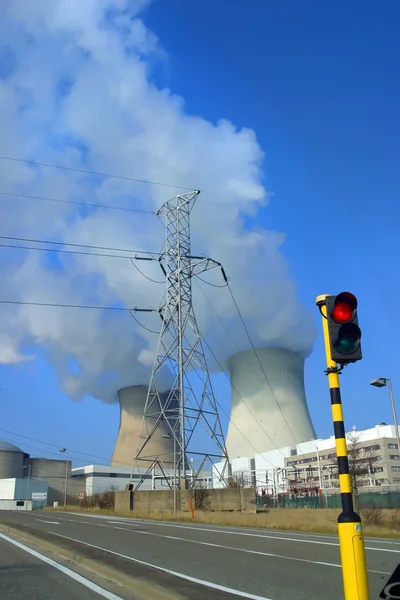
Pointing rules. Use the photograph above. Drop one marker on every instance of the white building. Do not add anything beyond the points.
(96, 479)
(313, 463)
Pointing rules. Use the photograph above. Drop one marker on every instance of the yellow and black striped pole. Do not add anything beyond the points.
(351, 539)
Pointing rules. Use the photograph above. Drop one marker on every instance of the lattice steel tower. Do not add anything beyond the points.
(180, 411)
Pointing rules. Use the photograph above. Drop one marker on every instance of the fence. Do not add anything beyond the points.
(365, 500)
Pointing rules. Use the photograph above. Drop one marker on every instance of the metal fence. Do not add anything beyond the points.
(365, 500)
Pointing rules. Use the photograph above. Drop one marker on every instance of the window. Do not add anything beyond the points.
(377, 470)
(392, 446)
(394, 457)
(396, 468)
(369, 448)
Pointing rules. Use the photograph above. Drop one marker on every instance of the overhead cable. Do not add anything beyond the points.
(259, 360)
(34, 241)
(244, 402)
(57, 446)
(89, 204)
(59, 250)
(75, 169)
(118, 308)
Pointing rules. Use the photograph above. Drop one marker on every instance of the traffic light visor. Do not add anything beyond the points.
(349, 337)
(345, 305)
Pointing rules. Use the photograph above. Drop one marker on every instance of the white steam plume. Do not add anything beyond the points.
(77, 89)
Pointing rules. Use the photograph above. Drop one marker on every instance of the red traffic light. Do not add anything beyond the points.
(345, 305)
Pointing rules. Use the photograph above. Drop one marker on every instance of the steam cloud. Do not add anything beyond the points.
(77, 88)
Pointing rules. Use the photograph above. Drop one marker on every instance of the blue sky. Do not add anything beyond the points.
(319, 86)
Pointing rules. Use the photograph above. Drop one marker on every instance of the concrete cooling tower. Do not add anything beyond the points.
(285, 372)
(132, 401)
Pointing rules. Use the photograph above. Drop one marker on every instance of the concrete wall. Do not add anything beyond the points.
(143, 501)
(123, 501)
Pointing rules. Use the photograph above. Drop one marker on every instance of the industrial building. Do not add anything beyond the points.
(373, 452)
(279, 413)
(23, 477)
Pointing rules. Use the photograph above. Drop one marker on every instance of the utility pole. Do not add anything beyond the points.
(29, 467)
(181, 349)
(342, 341)
(382, 382)
(66, 476)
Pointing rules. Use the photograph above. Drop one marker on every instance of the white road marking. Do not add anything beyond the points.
(208, 584)
(246, 534)
(86, 582)
(51, 522)
(246, 550)
(119, 523)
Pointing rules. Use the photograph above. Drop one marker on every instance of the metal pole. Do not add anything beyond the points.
(66, 481)
(175, 504)
(394, 414)
(319, 470)
(351, 539)
(27, 486)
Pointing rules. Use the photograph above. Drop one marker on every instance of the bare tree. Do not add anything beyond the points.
(240, 479)
(362, 459)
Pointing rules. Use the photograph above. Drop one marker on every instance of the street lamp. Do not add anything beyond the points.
(66, 476)
(167, 436)
(27, 484)
(383, 382)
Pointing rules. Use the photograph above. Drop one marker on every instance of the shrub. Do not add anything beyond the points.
(394, 519)
(103, 500)
(372, 516)
(201, 499)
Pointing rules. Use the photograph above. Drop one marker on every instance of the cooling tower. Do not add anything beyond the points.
(132, 401)
(285, 373)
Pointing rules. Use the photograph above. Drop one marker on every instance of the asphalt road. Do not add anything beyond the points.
(23, 575)
(230, 561)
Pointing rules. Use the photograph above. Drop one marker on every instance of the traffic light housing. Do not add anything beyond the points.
(343, 329)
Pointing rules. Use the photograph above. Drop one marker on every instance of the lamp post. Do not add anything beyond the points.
(66, 476)
(383, 382)
(27, 484)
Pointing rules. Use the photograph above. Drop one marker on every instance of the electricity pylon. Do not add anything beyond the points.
(182, 409)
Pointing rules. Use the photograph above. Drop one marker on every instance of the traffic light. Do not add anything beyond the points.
(343, 329)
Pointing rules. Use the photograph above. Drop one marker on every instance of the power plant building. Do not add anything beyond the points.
(132, 402)
(269, 406)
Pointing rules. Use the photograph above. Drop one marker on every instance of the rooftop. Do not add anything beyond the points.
(8, 447)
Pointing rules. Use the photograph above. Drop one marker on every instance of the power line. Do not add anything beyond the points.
(119, 308)
(246, 405)
(228, 416)
(59, 250)
(41, 164)
(56, 446)
(230, 335)
(92, 205)
(143, 274)
(139, 323)
(212, 284)
(240, 350)
(258, 360)
(33, 241)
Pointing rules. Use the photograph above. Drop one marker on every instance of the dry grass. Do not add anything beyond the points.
(319, 520)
